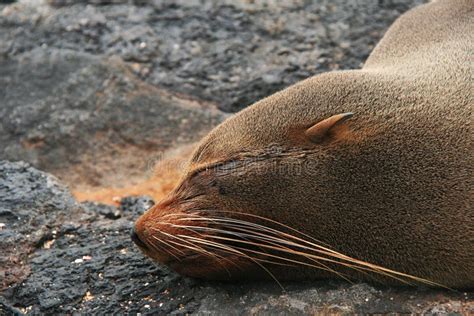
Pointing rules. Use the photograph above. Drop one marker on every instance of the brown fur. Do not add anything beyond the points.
(391, 186)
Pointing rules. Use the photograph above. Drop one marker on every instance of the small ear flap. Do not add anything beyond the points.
(318, 132)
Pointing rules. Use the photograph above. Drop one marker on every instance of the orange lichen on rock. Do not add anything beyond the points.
(156, 187)
(165, 174)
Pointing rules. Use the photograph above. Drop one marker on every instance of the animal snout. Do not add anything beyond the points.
(136, 239)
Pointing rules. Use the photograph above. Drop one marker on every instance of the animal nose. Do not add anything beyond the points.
(136, 239)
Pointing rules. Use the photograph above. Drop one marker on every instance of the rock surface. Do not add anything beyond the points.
(81, 259)
(91, 90)
(63, 109)
(229, 52)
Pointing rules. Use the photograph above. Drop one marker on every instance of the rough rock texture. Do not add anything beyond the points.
(230, 52)
(91, 90)
(31, 205)
(61, 108)
(85, 262)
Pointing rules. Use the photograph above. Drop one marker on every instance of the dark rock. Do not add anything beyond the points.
(80, 263)
(97, 2)
(136, 205)
(33, 205)
(83, 117)
(216, 51)
(132, 206)
(88, 265)
(108, 211)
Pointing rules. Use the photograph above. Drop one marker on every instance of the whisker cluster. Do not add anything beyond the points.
(231, 241)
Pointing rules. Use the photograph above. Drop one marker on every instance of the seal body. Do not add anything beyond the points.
(361, 174)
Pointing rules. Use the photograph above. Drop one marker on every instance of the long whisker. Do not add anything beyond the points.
(362, 264)
(240, 235)
(286, 259)
(166, 243)
(199, 249)
(278, 248)
(313, 256)
(189, 245)
(275, 242)
(278, 241)
(367, 267)
(158, 247)
(372, 267)
(229, 220)
(261, 260)
(194, 216)
(206, 253)
(217, 245)
(331, 253)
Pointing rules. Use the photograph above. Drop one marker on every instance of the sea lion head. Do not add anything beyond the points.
(297, 179)
(252, 177)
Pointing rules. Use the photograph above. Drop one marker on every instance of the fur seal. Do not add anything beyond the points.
(361, 174)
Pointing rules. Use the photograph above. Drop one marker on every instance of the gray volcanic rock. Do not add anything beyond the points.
(229, 52)
(62, 108)
(78, 260)
(32, 206)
